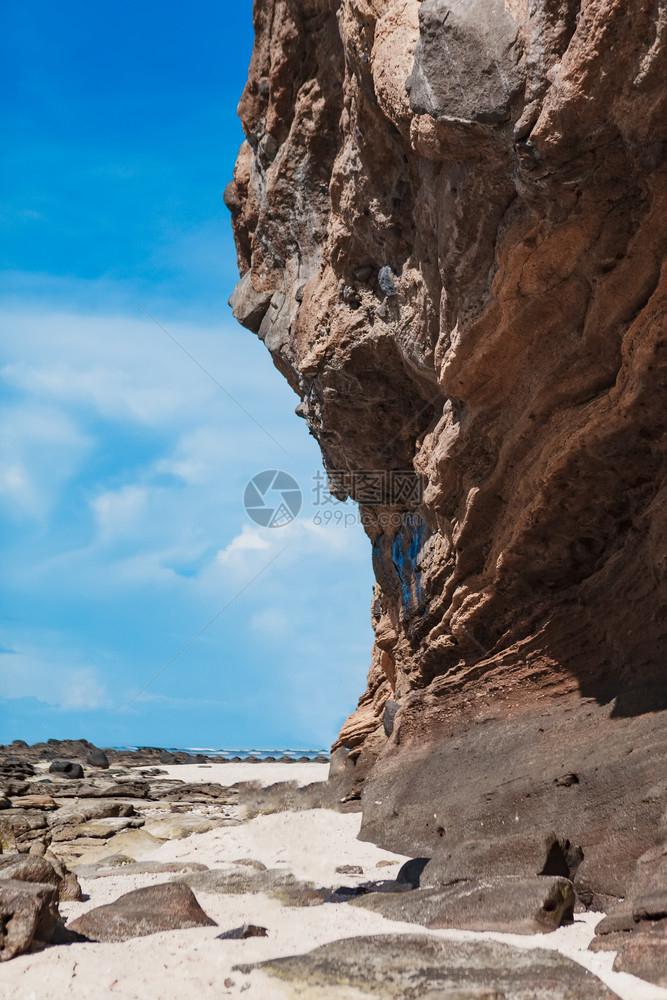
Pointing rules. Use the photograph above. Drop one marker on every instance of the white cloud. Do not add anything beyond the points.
(140, 462)
(250, 540)
(48, 674)
(41, 448)
(119, 512)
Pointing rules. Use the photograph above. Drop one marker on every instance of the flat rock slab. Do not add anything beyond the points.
(179, 826)
(396, 966)
(101, 790)
(28, 916)
(98, 828)
(178, 790)
(512, 905)
(110, 867)
(23, 820)
(279, 884)
(82, 812)
(135, 844)
(34, 802)
(144, 911)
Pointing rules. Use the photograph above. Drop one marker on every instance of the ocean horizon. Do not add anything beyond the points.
(242, 753)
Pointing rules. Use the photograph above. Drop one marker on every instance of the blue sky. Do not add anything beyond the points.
(122, 463)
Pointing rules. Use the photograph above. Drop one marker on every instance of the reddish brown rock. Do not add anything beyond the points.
(144, 911)
(450, 222)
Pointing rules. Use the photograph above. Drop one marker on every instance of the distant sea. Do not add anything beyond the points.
(243, 754)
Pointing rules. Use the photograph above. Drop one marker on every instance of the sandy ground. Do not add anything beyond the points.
(189, 964)
(229, 774)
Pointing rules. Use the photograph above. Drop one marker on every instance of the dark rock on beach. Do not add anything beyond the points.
(66, 767)
(245, 931)
(144, 911)
(97, 758)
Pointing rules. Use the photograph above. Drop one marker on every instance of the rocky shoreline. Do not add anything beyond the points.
(20, 753)
(105, 854)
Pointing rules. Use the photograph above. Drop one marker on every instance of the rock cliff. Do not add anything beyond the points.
(450, 219)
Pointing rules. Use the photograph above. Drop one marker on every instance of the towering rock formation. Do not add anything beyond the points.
(451, 220)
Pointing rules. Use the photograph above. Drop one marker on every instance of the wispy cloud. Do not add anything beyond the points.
(133, 465)
(51, 675)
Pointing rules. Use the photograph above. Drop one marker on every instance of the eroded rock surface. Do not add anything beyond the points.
(400, 965)
(450, 223)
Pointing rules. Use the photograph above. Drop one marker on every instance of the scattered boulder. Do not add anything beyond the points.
(97, 758)
(43, 871)
(395, 966)
(69, 889)
(349, 870)
(512, 905)
(66, 767)
(165, 907)
(28, 916)
(245, 931)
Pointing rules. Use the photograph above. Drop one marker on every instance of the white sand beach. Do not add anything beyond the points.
(193, 965)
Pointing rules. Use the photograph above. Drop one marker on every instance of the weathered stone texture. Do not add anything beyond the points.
(450, 221)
